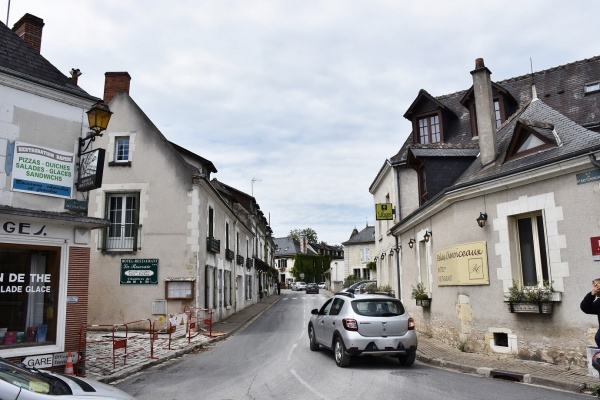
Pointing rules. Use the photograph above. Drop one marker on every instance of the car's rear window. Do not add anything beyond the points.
(378, 307)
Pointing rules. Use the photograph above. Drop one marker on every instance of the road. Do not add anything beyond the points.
(270, 359)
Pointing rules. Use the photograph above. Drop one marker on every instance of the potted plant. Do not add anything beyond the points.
(530, 299)
(420, 295)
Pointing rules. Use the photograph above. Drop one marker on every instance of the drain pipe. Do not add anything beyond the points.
(593, 160)
(398, 249)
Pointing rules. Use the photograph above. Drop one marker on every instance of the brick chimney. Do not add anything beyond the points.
(29, 28)
(484, 112)
(115, 82)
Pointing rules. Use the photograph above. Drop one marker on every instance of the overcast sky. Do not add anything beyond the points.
(306, 96)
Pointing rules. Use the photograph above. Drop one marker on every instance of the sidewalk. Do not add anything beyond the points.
(430, 351)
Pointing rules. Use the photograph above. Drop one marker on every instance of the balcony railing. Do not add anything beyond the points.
(229, 254)
(213, 245)
(240, 260)
(121, 237)
(249, 263)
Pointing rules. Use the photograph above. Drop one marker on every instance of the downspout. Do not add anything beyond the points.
(206, 289)
(398, 264)
(593, 160)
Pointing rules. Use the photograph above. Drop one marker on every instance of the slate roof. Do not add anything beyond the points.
(19, 59)
(561, 88)
(367, 235)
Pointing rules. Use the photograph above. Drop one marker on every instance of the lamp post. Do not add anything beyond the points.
(98, 118)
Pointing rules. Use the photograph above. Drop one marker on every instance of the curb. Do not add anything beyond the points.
(501, 374)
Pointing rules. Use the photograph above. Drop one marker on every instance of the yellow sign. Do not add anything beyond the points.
(384, 211)
(463, 264)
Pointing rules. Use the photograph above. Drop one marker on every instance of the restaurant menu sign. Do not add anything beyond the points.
(463, 264)
(41, 170)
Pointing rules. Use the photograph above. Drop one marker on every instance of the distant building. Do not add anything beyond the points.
(359, 250)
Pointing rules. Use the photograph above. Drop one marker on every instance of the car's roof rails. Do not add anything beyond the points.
(347, 294)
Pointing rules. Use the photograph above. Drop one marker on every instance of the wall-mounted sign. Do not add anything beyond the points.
(141, 271)
(91, 169)
(463, 264)
(40, 170)
(586, 177)
(384, 211)
(595, 241)
(76, 205)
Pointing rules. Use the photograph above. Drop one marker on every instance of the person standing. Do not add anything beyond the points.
(591, 305)
(278, 288)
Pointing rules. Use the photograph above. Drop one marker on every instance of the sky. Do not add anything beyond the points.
(300, 102)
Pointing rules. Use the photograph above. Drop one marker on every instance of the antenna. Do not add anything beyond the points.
(252, 184)
(531, 66)
(7, 13)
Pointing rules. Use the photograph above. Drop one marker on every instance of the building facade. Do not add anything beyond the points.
(45, 234)
(496, 186)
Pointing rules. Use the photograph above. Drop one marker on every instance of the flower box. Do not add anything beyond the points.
(540, 307)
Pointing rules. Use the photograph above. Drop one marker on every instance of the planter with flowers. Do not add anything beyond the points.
(420, 295)
(531, 299)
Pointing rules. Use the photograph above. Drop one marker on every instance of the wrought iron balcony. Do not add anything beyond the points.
(229, 254)
(249, 263)
(213, 245)
(240, 260)
(121, 237)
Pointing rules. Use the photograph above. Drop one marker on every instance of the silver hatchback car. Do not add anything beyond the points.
(359, 325)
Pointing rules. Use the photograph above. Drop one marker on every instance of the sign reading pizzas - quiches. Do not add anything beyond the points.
(41, 170)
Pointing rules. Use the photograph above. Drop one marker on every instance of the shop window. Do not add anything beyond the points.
(177, 290)
(29, 282)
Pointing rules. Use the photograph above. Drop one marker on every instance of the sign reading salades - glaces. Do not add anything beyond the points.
(41, 170)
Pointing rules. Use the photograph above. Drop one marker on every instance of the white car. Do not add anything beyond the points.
(299, 286)
(18, 383)
(322, 285)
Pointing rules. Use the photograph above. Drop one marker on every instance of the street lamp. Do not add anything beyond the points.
(98, 118)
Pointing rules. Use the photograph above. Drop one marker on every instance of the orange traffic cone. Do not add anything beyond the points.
(69, 365)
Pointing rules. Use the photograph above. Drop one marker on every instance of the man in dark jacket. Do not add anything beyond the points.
(591, 305)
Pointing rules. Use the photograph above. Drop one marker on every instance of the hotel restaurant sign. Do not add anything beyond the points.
(463, 264)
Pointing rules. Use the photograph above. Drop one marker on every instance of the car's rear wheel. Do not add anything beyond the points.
(408, 359)
(341, 358)
(314, 346)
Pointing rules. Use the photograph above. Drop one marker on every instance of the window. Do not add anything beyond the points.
(179, 290)
(497, 113)
(364, 255)
(429, 129)
(122, 149)
(29, 303)
(282, 263)
(357, 272)
(423, 264)
(366, 273)
(122, 213)
(533, 258)
(336, 306)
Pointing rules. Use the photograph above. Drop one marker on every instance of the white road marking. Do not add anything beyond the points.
(312, 389)
(289, 357)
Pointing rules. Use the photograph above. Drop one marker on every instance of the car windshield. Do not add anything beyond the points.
(378, 307)
(312, 284)
(23, 378)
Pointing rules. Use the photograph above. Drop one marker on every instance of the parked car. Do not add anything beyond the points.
(353, 288)
(322, 285)
(299, 286)
(17, 383)
(366, 324)
(312, 288)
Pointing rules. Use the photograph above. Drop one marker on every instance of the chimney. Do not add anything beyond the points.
(115, 82)
(75, 74)
(484, 112)
(29, 28)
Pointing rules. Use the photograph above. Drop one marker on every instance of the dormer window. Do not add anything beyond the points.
(429, 129)
(592, 87)
(531, 137)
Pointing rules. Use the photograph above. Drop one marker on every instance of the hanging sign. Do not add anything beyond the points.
(91, 169)
(384, 211)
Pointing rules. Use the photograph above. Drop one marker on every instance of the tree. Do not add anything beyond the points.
(315, 268)
(310, 234)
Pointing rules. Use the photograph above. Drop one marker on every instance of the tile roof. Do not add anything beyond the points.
(367, 235)
(20, 60)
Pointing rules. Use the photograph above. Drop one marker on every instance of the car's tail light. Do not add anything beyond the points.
(411, 324)
(350, 324)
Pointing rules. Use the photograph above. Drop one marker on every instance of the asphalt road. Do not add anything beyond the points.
(270, 359)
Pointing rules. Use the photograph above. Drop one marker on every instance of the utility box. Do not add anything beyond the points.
(159, 307)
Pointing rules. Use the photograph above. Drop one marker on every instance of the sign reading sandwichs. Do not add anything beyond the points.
(463, 264)
(41, 170)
